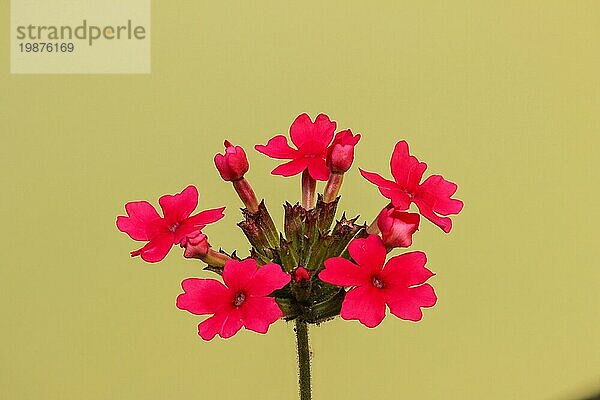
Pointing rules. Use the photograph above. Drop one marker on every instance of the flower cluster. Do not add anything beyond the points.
(316, 267)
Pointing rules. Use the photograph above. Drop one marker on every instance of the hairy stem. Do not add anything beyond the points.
(373, 229)
(303, 359)
(246, 194)
(309, 185)
(215, 258)
(332, 189)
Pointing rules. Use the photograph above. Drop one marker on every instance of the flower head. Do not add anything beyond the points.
(143, 223)
(400, 284)
(432, 197)
(242, 301)
(340, 154)
(397, 226)
(233, 164)
(311, 139)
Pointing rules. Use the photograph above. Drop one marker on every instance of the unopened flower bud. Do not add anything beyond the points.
(340, 154)
(196, 245)
(397, 227)
(233, 164)
(301, 274)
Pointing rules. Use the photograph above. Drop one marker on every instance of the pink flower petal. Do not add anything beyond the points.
(425, 210)
(378, 180)
(202, 296)
(237, 274)
(346, 137)
(399, 198)
(232, 324)
(156, 249)
(324, 127)
(312, 138)
(178, 207)
(277, 147)
(210, 327)
(266, 280)
(434, 197)
(407, 303)
(341, 272)
(437, 192)
(406, 270)
(406, 169)
(368, 252)
(226, 323)
(301, 129)
(200, 220)
(258, 313)
(197, 222)
(291, 168)
(317, 168)
(391, 190)
(141, 220)
(366, 304)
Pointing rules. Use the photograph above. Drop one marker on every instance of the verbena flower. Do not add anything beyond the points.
(143, 223)
(311, 139)
(433, 197)
(242, 301)
(399, 284)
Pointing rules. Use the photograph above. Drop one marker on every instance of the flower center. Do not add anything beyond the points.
(174, 227)
(377, 282)
(409, 193)
(239, 299)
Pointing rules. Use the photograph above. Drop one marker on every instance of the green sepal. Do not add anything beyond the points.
(285, 255)
(325, 310)
(326, 213)
(344, 231)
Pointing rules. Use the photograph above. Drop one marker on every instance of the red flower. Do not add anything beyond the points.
(340, 154)
(397, 227)
(242, 301)
(144, 224)
(233, 164)
(311, 140)
(432, 197)
(400, 284)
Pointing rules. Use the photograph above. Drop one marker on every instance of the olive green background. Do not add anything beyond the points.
(500, 97)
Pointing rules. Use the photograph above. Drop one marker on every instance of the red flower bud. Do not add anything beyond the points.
(300, 274)
(340, 154)
(233, 164)
(397, 226)
(196, 245)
